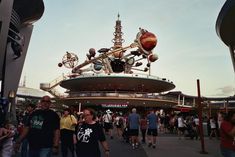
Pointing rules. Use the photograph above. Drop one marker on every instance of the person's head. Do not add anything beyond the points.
(108, 111)
(221, 116)
(133, 110)
(151, 110)
(67, 111)
(45, 102)
(231, 117)
(30, 107)
(89, 115)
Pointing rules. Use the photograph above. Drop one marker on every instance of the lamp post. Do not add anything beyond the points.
(11, 114)
(79, 107)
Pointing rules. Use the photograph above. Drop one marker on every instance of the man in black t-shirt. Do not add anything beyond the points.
(42, 130)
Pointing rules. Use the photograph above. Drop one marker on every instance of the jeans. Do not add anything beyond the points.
(24, 148)
(66, 137)
(227, 152)
(43, 152)
(143, 131)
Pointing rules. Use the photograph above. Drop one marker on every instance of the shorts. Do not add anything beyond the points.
(152, 132)
(118, 126)
(181, 129)
(134, 132)
(107, 126)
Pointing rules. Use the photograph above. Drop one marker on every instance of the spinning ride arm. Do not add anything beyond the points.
(103, 56)
(112, 59)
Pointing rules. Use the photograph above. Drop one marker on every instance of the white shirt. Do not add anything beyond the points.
(107, 118)
(180, 122)
(212, 124)
(196, 121)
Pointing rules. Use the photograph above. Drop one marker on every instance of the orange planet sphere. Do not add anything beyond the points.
(148, 41)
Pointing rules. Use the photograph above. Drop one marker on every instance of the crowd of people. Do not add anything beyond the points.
(45, 130)
(41, 130)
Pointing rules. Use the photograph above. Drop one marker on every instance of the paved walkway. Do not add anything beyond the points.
(173, 147)
(167, 146)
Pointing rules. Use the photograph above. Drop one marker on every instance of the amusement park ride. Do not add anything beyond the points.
(112, 70)
(116, 59)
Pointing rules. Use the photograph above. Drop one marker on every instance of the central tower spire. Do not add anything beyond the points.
(117, 40)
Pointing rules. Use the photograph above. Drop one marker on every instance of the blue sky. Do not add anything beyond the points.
(188, 46)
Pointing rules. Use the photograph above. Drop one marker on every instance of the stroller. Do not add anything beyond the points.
(190, 131)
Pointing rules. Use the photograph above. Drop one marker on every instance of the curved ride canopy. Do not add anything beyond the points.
(225, 26)
(29, 10)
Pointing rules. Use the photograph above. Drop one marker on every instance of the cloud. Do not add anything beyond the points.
(227, 90)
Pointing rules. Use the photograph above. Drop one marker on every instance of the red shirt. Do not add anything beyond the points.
(226, 140)
(143, 123)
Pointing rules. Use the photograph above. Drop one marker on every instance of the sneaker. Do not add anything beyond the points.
(136, 145)
(150, 144)
(154, 146)
(111, 137)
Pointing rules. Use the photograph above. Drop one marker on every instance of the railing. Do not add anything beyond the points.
(138, 75)
(57, 81)
(120, 95)
(52, 84)
(49, 87)
(57, 94)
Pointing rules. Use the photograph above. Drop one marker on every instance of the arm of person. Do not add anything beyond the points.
(23, 135)
(105, 147)
(74, 139)
(56, 135)
(20, 139)
(74, 120)
(56, 138)
(232, 132)
(4, 133)
(228, 129)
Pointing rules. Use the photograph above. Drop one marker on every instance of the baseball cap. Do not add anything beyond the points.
(108, 111)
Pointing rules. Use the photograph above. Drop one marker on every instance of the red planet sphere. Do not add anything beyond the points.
(152, 57)
(148, 41)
